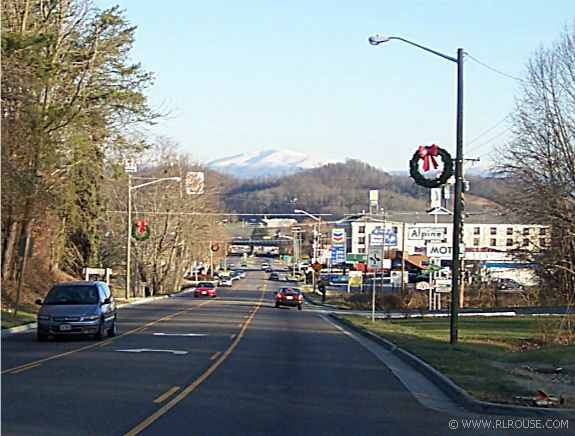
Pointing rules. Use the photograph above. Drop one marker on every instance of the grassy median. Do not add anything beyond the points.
(496, 359)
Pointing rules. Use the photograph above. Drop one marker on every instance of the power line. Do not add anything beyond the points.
(495, 70)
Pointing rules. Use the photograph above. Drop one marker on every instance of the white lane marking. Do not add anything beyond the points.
(179, 334)
(149, 350)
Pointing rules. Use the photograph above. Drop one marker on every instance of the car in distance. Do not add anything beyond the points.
(205, 289)
(291, 297)
(241, 273)
(225, 281)
(507, 284)
(77, 308)
(274, 276)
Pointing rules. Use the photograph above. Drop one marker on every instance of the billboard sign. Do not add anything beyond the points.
(195, 182)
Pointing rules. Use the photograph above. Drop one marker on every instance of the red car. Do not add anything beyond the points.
(289, 297)
(207, 289)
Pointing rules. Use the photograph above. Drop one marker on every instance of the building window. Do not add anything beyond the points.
(525, 231)
(493, 231)
(526, 242)
(476, 230)
(394, 229)
(361, 250)
(361, 229)
(493, 242)
(542, 231)
(542, 243)
(509, 230)
(509, 242)
(476, 242)
(362, 240)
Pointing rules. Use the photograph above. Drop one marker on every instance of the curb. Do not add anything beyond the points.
(26, 327)
(453, 391)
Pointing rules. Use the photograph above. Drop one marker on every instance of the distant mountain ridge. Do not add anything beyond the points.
(267, 163)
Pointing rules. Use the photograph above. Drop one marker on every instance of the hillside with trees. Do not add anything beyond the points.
(342, 188)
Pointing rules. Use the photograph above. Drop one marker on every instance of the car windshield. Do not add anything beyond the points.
(72, 295)
(206, 285)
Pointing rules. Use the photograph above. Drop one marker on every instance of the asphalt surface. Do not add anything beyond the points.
(230, 365)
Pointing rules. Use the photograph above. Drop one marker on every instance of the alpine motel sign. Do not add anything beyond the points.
(426, 233)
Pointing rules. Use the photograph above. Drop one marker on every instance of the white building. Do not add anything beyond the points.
(488, 243)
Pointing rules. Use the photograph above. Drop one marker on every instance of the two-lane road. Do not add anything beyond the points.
(231, 365)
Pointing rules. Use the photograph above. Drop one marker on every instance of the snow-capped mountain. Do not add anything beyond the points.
(267, 163)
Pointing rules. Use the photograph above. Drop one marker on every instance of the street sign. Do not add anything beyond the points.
(375, 258)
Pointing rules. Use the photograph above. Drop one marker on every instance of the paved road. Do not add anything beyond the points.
(231, 365)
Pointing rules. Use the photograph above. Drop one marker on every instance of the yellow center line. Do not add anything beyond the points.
(99, 344)
(167, 394)
(215, 355)
(24, 369)
(188, 390)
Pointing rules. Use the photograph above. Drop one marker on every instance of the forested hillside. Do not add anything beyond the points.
(343, 188)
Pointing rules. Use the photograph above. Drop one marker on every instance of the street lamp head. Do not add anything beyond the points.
(177, 179)
(378, 39)
(298, 211)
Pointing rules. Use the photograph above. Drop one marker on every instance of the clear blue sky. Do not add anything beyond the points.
(251, 75)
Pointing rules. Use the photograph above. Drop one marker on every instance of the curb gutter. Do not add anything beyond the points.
(458, 395)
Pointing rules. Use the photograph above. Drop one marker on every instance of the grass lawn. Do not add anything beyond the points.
(492, 354)
(26, 315)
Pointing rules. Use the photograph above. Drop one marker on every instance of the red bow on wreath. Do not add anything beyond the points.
(428, 153)
(141, 226)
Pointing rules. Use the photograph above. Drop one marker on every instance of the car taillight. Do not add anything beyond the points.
(300, 297)
(280, 296)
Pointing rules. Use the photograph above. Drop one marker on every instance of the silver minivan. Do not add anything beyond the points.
(77, 308)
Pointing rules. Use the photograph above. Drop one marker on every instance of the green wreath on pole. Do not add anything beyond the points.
(141, 230)
(215, 247)
(428, 155)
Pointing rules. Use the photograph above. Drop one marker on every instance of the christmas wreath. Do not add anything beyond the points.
(214, 246)
(428, 154)
(141, 230)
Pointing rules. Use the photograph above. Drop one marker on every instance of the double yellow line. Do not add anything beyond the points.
(188, 390)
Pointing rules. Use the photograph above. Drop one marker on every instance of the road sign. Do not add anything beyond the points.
(375, 258)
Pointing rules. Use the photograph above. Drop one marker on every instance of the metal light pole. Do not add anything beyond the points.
(129, 241)
(316, 235)
(458, 199)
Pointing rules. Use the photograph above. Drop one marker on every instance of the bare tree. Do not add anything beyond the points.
(539, 163)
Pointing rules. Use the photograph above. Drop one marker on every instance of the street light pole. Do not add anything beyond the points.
(458, 199)
(129, 241)
(317, 235)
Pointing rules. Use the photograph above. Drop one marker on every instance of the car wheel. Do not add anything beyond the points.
(299, 307)
(112, 331)
(101, 330)
(41, 337)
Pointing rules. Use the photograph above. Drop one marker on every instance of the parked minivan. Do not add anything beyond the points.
(77, 308)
